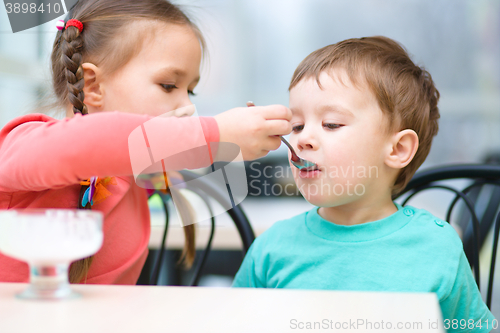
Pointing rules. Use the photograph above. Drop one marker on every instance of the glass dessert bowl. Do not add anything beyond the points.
(49, 240)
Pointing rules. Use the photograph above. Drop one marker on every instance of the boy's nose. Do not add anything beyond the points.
(306, 141)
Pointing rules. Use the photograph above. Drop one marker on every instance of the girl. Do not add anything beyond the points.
(142, 59)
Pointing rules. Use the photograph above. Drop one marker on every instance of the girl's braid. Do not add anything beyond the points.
(71, 57)
(71, 44)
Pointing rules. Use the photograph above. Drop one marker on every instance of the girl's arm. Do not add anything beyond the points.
(38, 152)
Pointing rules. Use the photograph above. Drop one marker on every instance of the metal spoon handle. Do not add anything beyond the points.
(294, 156)
(286, 142)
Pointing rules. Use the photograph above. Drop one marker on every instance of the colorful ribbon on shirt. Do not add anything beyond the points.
(97, 190)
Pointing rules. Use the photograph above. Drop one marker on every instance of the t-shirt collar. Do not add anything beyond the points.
(360, 232)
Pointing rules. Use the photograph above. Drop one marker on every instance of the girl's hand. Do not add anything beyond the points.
(255, 130)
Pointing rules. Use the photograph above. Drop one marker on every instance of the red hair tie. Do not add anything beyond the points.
(75, 23)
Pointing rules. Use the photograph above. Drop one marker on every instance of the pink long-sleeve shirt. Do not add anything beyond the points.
(43, 160)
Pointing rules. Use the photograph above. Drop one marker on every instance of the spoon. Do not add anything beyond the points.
(298, 162)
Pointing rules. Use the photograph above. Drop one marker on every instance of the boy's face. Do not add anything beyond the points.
(341, 128)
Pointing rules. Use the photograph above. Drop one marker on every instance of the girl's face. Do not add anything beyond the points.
(158, 80)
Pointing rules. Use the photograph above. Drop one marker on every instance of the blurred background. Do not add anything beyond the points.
(254, 47)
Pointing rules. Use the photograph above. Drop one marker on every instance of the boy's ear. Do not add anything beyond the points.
(404, 145)
(93, 91)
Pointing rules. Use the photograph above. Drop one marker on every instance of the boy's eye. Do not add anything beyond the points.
(190, 92)
(169, 87)
(297, 128)
(332, 126)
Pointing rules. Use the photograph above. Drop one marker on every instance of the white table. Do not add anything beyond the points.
(134, 309)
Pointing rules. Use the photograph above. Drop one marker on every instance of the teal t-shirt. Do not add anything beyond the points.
(408, 251)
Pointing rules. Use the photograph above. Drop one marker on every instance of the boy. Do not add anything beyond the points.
(366, 115)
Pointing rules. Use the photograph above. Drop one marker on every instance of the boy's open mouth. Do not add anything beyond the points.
(312, 168)
(310, 172)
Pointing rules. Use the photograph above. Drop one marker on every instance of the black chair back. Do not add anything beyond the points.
(478, 212)
(205, 190)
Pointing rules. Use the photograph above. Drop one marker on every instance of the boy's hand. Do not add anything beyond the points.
(255, 130)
